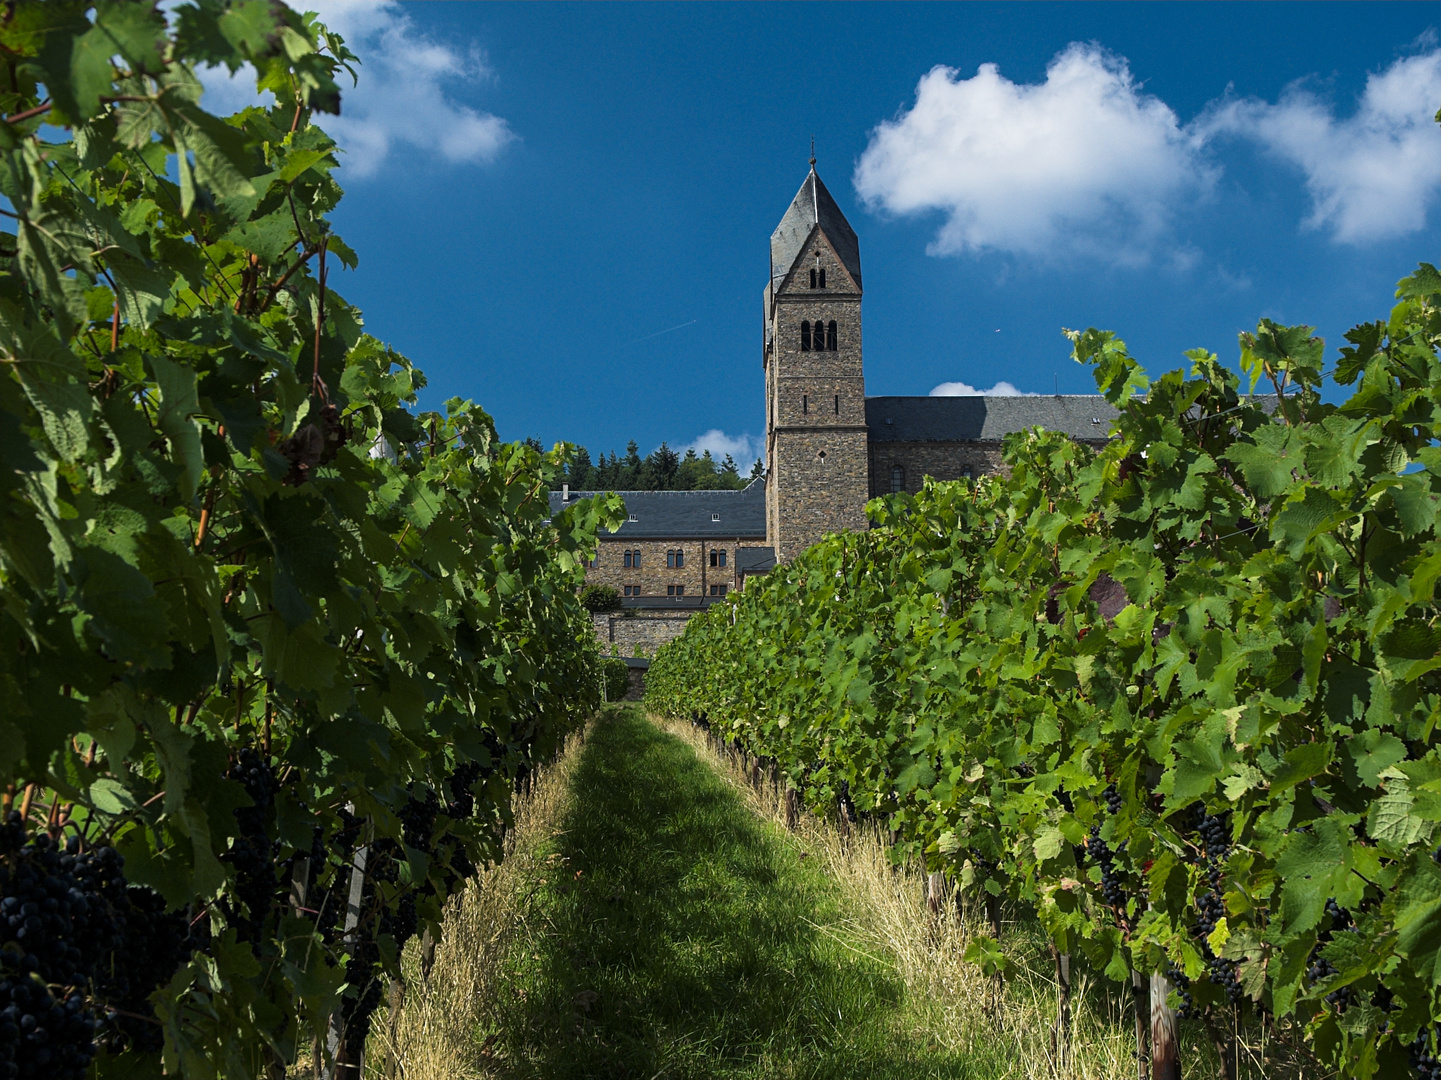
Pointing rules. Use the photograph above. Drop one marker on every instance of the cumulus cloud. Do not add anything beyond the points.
(1372, 175)
(742, 448)
(1083, 160)
(960, 389)
(402, 98)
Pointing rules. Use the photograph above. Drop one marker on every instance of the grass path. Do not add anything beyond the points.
(672, 934)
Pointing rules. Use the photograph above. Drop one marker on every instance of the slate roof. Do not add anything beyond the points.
(953, 419)
(813, 206)
(756, 560)
(686, 515)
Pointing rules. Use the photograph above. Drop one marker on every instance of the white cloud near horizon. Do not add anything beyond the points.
(402, 99)
(1371, 176)
(744, 449)
(1086, 163)
(960, 389)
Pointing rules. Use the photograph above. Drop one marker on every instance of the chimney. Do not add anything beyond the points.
(565, 493)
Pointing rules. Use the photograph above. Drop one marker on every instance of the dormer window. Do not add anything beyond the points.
(715, 517)
(806, 336)
(632, 517)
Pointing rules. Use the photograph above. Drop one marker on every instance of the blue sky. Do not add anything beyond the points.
(562, 211)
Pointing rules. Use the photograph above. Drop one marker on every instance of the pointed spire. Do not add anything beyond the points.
(813, 153)
(813, 206)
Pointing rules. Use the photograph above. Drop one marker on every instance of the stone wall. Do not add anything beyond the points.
(822, 483)
(938, 460)
(655, 577)
(645, 629)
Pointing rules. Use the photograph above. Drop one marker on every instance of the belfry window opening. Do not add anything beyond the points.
(806, 335)
(831, 336)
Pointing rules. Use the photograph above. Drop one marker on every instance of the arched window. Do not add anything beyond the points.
(670, 560)
(805, 335)
(831, 336)
(813, 277)
(679, 559)
(637, 566)
(823, 279)
(898, 479)
(627, 560)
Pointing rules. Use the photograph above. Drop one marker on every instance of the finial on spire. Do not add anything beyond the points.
(813, 151)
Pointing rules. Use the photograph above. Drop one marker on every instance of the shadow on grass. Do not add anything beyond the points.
(674, 936)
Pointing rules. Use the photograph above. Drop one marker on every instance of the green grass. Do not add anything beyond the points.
(675, 935)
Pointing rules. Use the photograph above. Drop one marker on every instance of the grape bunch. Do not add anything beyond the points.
(462, 781)
(1215, 837)
(252, 853)
(81, 951)
(1111, 887)
(1320, 968)
(1423, 1055)
(1113, 798)
(1182, 984)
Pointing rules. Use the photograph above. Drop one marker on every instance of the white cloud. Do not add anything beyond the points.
(1371, 176)
(742, 448)
(1086, 163)
(960, 389)
(1083, 161)
(401, 99)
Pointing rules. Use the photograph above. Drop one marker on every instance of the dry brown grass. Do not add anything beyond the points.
(432, 1035)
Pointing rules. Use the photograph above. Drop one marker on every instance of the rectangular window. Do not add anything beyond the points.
(627, 589)
(722, 559)
(670, 590)
(680, 590)
(722, 589)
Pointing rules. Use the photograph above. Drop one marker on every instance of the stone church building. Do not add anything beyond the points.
(829, 447)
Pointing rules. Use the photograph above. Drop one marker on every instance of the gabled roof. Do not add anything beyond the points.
(953, 419)
(687, 515)
(814, 206)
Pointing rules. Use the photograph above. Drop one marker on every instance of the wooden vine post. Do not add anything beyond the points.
(1165, 1048)
(1061, 1030)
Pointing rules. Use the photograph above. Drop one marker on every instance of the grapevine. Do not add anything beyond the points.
(1176, 696)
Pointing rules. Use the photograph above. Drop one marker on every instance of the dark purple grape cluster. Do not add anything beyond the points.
(1112, 888)
(462, 784)
(252, 852)
(1113, 798)
(1188, 1010)
(80, 953)
(1423, 1055)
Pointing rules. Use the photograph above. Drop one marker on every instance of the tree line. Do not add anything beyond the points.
(663, 469)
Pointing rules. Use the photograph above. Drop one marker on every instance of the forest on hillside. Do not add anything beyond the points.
(664, 469)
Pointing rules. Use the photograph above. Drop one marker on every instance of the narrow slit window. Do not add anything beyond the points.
(813, 278)
(838, 404)
(823, 279)
(805, 404)
(805, 335)
(831, 336)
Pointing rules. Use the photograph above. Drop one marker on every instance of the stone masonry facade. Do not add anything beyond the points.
(657, 576)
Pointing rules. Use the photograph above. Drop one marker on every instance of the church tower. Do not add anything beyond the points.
(818, 469)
